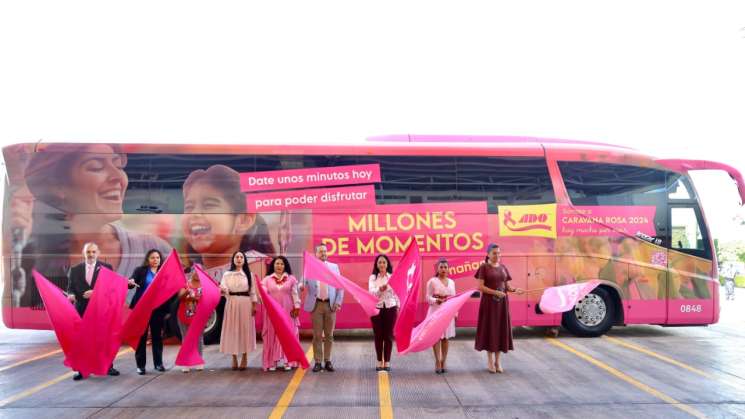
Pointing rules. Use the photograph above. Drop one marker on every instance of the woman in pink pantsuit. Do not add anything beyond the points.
(281, 285)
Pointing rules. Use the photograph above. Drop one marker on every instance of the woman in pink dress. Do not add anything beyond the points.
(281, 285)
(238, 335)
(439, 289)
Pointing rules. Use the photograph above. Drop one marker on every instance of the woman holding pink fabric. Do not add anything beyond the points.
(281, 285)
(439, 289)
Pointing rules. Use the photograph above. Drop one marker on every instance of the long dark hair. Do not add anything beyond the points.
(389, 269)
(146, 264)
(270, 268)
(244, 268)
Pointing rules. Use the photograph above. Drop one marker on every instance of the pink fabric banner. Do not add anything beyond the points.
(406, 281)
(89, 344)
(169, 279)
(100, 336)
(315, 269)
(429, 331)
(64, 318)
(283, 328)
(188, 355)
(564, 298)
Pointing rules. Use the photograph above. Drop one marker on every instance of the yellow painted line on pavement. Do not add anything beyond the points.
(663, 358)
(286, 398)
(49, 383)
(384, 394)
(627, 378)
(26, 361)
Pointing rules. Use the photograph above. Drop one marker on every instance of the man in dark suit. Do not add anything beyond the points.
(82, 280)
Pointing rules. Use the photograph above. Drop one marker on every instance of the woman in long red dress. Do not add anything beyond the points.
(494, 328)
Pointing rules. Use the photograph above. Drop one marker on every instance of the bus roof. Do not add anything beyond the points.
(489, 139)
(391, 144)
(433, 145)
(445, 145)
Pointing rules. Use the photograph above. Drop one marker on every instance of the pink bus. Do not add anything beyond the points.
(562, 212)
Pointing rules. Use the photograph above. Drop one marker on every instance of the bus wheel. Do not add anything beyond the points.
(213, 328)
(593, 315)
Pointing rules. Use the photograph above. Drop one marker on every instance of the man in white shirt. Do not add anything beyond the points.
(323, 301)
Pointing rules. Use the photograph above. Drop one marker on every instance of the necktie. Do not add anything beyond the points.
(323, 291)
(88, 274)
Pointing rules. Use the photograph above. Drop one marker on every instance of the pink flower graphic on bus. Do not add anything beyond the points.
(659, 258)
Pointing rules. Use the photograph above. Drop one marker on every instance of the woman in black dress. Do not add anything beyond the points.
(494, 329)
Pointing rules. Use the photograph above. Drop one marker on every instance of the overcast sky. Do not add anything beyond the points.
(665, 77)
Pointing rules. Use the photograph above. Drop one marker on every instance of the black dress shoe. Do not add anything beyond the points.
(77, 377)
(113, 372)
(141, 371)
(317, 367)
(378, 369)
(160, 368)
(388, 369)
(329, 367)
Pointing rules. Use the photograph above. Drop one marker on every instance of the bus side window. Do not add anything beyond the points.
(606, 184)
(686, 233)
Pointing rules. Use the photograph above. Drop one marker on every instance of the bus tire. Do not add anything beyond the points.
(593, 315)
(214, 325)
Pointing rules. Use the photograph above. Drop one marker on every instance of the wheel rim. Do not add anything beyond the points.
(591, 310)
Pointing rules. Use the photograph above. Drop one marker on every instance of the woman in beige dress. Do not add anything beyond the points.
(238, 336)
